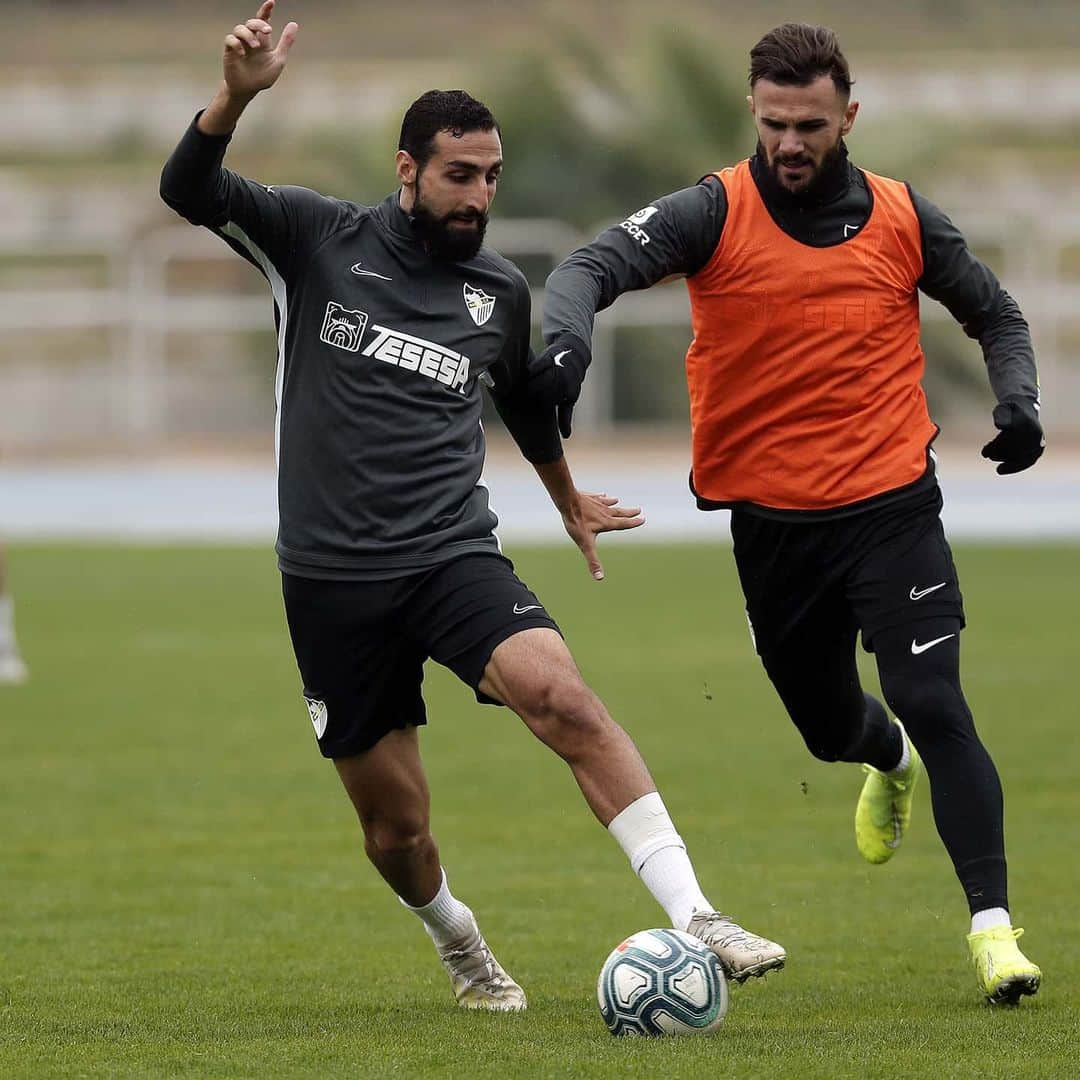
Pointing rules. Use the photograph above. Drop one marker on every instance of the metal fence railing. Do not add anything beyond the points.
(93, 358)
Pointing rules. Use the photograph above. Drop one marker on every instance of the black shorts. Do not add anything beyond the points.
(874, 570)
(361, 645)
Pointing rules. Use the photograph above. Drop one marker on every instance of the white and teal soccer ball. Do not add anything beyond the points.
(662, 982)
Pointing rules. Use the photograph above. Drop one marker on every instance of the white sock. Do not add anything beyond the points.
(985, 920)
(657, 853)
(905, 755)
(445, 918)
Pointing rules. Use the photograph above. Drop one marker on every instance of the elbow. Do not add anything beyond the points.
(167, 189)
(176, 198)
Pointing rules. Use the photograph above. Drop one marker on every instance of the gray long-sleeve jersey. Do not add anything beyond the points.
(381, 352)
(679, 233)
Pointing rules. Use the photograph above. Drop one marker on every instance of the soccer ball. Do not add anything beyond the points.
(662, 982)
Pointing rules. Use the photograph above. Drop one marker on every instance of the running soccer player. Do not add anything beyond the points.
(809, 422)
(389, 318)
(12, 668)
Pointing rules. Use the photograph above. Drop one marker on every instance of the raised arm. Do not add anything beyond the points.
(271, 226)
(252, 63)
(975, 298)
(672, 237)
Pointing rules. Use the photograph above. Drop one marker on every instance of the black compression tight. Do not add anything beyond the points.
(924, 692)
(820, 689)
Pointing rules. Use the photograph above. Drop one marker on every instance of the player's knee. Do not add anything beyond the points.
(929, 707)
(398, 833)
(564, 713)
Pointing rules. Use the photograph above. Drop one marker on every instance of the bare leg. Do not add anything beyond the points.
(12, 668)
(390, 793)
(535, 675)
(389, 790)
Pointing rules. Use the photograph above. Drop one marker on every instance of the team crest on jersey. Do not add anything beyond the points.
(317, 711)
(342, 327)
(480, 305)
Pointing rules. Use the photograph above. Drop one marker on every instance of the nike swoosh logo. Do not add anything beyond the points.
(916, 648)
(358, 269)
(918, 594)
(518, 610)
(559, 356)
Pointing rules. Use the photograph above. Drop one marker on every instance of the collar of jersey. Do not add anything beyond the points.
(835, 185)
(395, 219)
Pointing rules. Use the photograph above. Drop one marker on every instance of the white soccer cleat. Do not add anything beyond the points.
(744, 955)
(12, 669)
(478, 979)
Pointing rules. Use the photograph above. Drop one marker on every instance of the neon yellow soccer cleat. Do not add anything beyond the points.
(884, 809)
(1004, 973)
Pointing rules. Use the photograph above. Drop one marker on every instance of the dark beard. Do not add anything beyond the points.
(827, 180)
(445, 243)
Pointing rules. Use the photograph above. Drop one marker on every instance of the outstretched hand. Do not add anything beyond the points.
(591, 514)
(252, 62)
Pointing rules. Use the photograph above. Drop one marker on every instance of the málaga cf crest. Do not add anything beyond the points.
(480, 305)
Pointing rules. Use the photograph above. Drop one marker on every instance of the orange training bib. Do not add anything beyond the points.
(805, 369)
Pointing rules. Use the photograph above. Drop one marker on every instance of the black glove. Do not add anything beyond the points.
(1020, 441)
(556, 375)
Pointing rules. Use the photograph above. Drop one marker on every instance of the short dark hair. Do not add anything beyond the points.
(795, 54)
(442, 110)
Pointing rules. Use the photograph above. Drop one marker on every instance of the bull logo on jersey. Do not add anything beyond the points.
(480, 305)
(343, 328)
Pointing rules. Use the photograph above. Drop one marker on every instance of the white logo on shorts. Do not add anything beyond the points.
(917, 593)
(917, 649)
(317, 709)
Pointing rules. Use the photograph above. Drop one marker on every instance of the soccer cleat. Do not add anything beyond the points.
(1003, 972)
(743, 954)
(883, 812)
(12, 669)
(478, 979)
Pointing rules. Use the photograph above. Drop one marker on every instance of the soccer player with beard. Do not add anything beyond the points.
(810, 424)
(389, 318)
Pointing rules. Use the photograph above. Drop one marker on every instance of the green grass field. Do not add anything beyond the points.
(183, 890)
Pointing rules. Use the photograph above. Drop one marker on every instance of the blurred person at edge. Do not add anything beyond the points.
(12, 668)
(810, 424)
(389, 320)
